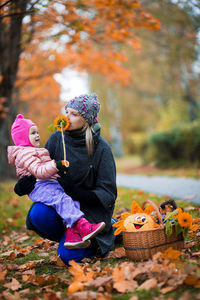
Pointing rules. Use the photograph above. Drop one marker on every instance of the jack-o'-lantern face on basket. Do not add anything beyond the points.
(139, 221)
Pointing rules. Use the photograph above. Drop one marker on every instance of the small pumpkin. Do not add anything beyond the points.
(139, 221)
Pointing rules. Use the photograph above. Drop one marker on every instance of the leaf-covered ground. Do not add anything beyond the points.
(30, 269)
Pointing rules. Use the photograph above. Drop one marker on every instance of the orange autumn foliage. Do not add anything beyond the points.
(171, 254)
(123, 278)
(85, 36)
(79, 277)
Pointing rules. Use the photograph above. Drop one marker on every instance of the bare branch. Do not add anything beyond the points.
(17, 14)
(1, 6)
(29, 78)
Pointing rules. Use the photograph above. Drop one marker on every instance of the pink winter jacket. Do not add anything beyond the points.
(32, 161)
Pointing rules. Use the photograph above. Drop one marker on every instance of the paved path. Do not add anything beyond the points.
(181, 188)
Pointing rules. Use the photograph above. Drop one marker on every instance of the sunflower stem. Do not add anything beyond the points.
(63, 141)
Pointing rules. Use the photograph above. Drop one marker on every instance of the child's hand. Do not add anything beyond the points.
(62, 165)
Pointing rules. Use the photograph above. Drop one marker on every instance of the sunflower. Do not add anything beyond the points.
(178, 211)
(185, 219)
(61, 123)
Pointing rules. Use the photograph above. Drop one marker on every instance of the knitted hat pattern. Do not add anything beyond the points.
(87, 105)
(20, 131)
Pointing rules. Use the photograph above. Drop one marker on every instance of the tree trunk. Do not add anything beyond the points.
(10, 49)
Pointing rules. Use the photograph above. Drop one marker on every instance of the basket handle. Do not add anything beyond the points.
(147, 201)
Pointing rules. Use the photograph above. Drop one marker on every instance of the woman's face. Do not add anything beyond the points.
(75, 120)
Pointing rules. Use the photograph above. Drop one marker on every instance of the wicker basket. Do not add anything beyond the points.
(141, 245)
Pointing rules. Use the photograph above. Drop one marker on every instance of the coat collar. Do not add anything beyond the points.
(77, 137)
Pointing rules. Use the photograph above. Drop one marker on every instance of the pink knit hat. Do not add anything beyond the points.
(20, 131)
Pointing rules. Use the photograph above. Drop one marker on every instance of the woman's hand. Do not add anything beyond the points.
(62, 165)
(25, 185)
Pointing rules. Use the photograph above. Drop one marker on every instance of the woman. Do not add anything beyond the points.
(91, 180)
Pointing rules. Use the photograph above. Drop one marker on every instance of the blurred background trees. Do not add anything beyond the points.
(38, 38)
(165, 87)
(146, 76)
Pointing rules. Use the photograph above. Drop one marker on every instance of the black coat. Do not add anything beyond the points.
(96, 173)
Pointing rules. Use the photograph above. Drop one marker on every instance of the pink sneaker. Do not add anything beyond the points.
(73, 240)
(88, 230)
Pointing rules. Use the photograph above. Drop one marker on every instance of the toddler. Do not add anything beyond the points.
(29, 159)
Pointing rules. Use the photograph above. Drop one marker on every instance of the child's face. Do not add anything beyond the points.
(34, 136)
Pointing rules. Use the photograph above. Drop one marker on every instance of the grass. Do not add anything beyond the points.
(51, 275)
(13, 208)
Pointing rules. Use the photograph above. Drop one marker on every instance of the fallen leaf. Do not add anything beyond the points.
(134, 298)
(172, 254)
(28, 278)
(12, 267)
(117, 253)
(8, 253)
(29, 272)
(23, 292)
(75, 286)
(38, 241)
(14, 285)
(99, 281)
(41, 280)
(196, 254)
(148, 284)
(193, 281)
(85, 295)
(15, 202)
(17, 215)
(52, 296)
(57, 260)
(23, 238)
(125, 286)
(6, 241)
(30, 264)
(189, 244)
(3, 275)
(78, 273)
(167, 289)
(122, 278)
(104, 296)
(185, 296)
(8, 296)
(2, 267)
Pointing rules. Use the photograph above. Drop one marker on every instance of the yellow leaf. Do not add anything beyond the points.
(75, 286)
(170, 253)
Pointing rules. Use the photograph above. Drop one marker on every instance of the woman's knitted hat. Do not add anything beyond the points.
(20, 131)
(87, 105)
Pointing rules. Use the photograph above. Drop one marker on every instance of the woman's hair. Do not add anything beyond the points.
(88, 138)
